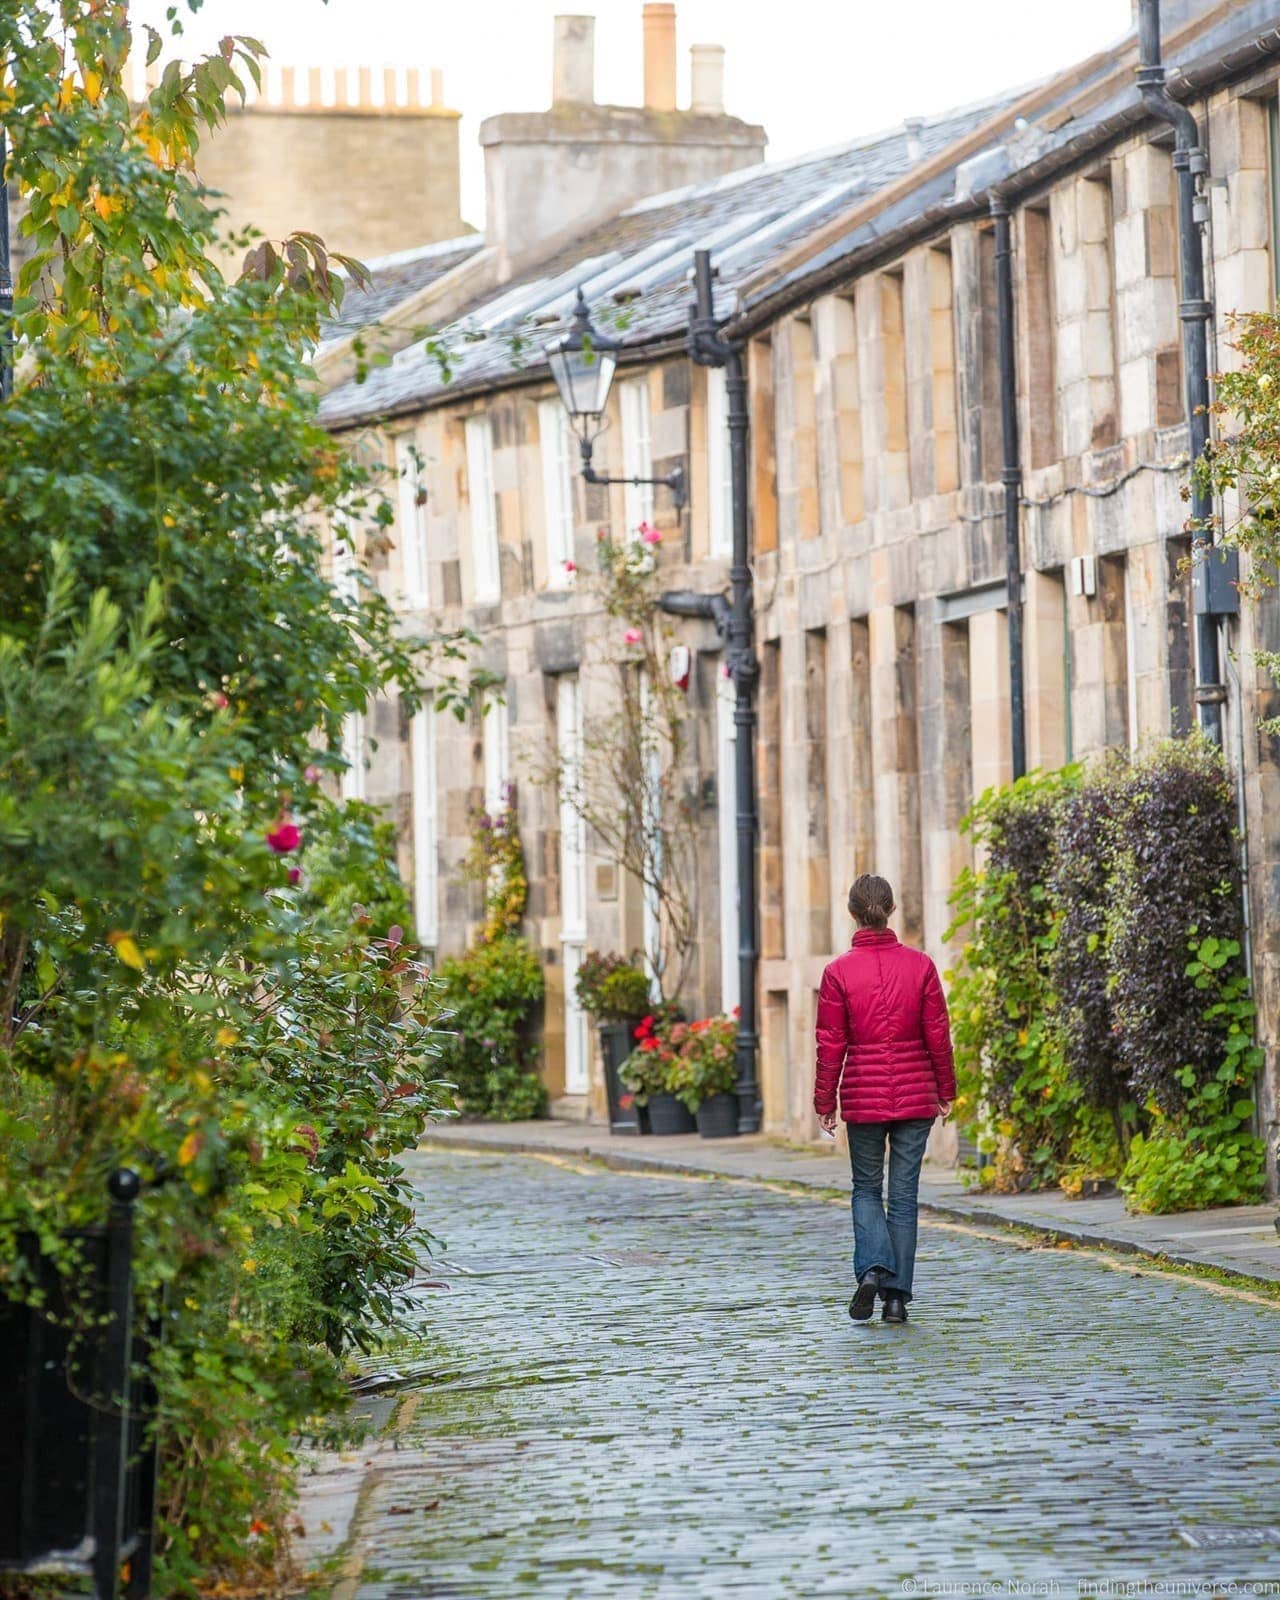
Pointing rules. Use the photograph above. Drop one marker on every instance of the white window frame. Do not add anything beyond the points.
(354, 776)
(651, 920)
(344, 563)
(426, 828)
(637, 452)
(557, 492)
(485, 564)
(573, 879)
(719, 467)
(495, 743)
(727, 816)
(412, 521)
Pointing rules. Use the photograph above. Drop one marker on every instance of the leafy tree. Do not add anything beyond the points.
(187, 987)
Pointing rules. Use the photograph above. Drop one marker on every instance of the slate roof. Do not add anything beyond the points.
(776, 231)
(638, 264)
(396, 277)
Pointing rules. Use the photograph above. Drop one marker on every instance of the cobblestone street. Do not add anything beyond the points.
(641, 1385)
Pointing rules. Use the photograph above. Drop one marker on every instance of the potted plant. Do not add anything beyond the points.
(614, 990)
(703, 1073)
(648, 1074)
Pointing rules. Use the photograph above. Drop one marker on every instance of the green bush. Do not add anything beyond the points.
(188, 987)
(612, 988)
(490, 994)
(1088, 1044)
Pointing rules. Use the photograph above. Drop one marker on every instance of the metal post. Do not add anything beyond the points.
(1194, 310)
(708, 349)
(1011, 477)
(112, 1387)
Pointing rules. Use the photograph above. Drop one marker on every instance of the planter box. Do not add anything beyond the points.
(718, 1117)
(616, 1043)
(669, 1115)
(77, 1476)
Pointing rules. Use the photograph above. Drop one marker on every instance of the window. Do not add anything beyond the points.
(637, 452)
(497, 758)
(573, 878)
(726, 796)
(411, 517)
(344, 566)
(353, 779)
(651, 822)
(426, 836)
(719, 468)
(557, 491)
(484, 522)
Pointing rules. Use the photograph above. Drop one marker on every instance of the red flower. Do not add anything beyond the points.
(626, 1101)
(294, 874)
(643, 1029)
(650, 1044)
(569, 566)
(284, 837)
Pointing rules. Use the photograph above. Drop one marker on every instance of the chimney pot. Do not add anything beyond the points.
(659, 55)
(706, 79)
(573, 71)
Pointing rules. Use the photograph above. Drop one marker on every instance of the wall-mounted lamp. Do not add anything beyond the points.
(583, 363)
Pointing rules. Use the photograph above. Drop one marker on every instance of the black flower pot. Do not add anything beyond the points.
(617, 1040)
(669, 1115)
(718, 1116)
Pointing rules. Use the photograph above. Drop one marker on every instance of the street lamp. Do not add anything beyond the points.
(583, 363)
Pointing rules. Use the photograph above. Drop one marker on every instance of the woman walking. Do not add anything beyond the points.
(884, 1044)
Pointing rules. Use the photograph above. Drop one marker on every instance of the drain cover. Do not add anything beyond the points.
(1218, 1536)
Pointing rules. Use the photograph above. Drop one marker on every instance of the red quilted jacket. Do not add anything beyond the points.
(882, 1033)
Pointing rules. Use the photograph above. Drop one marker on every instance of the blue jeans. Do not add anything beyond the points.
(886, 1239)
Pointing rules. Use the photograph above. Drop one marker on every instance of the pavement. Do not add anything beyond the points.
(1236, 1239)
(644, 1383)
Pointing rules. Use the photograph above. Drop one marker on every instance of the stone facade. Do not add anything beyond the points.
(876, 512)
(371, 176)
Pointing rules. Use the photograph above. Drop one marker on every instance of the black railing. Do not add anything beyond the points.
(78, 1449)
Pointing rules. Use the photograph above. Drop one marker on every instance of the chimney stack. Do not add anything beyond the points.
(573, 73)
(659, 55)
(706, 79)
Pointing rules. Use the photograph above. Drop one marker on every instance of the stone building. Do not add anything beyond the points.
(862, 284)
(365, 159)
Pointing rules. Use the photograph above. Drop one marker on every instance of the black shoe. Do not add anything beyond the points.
(895, 1307)
(864, 1298)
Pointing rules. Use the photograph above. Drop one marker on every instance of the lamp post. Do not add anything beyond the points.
(583, 363)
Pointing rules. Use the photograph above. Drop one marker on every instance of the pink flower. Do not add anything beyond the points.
(632, 636)
(727, 670)
(650, 535)
(294, 874)
(569, 566)
(284, 837)
(312, 774)
(220, 701)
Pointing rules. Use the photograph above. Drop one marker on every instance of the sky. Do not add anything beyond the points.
(813, 72)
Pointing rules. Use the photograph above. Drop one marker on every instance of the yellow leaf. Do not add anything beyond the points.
(92, 87)
(202, 1081)
(236, 774)
(189, 1149)
(67, 93)
(1023, 1036)
(226, 1036)
(128, 951)
(106, 205)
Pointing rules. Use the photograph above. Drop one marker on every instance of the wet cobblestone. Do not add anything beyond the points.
(650, 1386)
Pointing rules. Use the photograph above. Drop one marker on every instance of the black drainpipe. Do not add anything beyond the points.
(1213, 590)
(733, 620)
(1011, 477)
